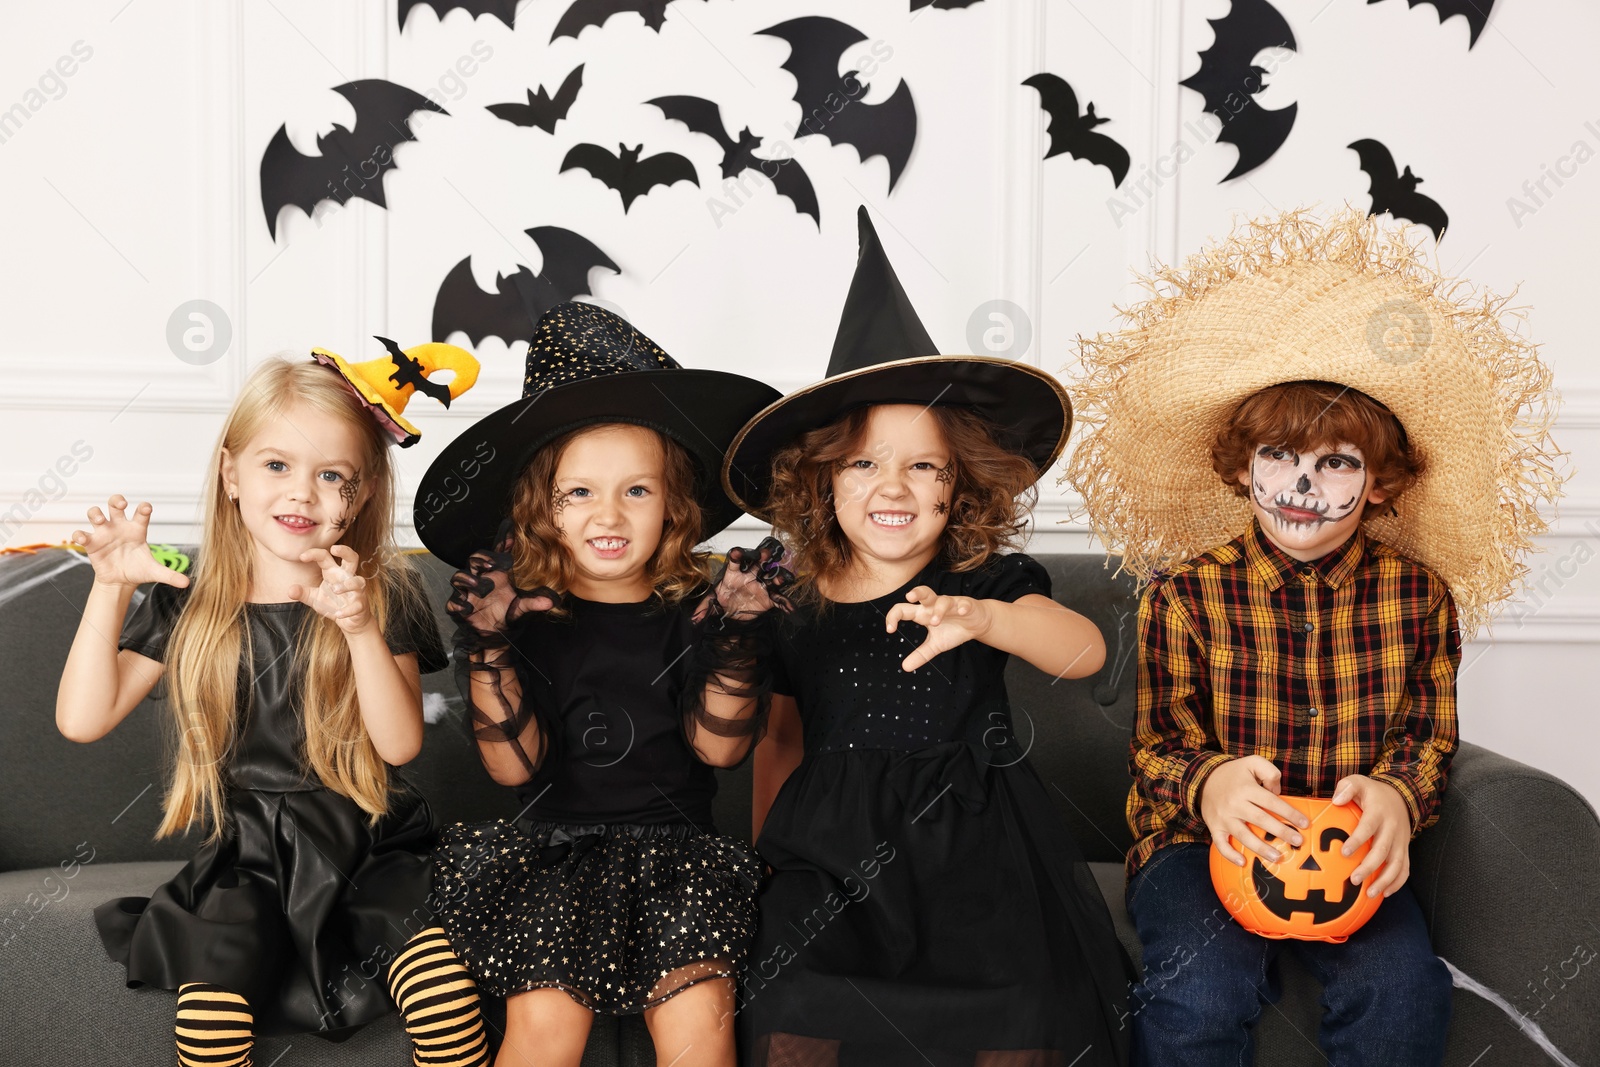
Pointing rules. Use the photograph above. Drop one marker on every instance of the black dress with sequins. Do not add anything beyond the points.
(302, 901)
(612, 883)
(926, 902)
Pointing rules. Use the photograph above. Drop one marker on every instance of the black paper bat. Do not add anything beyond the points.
(586, 13)
(1475, 11)
(1074, 133)
(1229, 79)
(1396, 194)
(831, 105)
(917, 5)
(504, 10)
(629, 175)
(704, 116)
(542, 110)
(408, 371)
(352, 162)
(510, 312)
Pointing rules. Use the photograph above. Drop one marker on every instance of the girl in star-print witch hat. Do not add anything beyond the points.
(605, 676)
(926, 903)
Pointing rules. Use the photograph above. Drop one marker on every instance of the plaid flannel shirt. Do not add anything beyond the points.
(1345, 665)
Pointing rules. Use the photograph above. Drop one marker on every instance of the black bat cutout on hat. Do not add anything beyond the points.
(542, 109)
(1396, 194)
(629, 175)
(1228, 79)
(585, 13)
(352, 163)
(519, 300)
(408, 371)
(504, 10)
(705, 117)
(888, 129)
(1073, 132)
(1476, 13)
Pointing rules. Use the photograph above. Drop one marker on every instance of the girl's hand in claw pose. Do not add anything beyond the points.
(951, 621)
(342, 594)
(751, 584)
(117, 549)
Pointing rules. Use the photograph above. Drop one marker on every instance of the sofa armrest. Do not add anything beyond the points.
(1509, 879)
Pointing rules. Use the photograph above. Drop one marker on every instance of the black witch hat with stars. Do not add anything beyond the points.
(586, 366)
(882, 354)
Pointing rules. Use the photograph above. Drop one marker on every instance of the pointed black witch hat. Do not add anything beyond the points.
(882, 354)
(585, 367)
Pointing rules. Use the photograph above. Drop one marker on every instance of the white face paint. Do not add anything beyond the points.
(1309, 503)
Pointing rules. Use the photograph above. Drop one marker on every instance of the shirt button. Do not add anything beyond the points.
(1308, 627)
(1311, 712)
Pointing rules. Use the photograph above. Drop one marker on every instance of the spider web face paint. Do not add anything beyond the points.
(349, 489)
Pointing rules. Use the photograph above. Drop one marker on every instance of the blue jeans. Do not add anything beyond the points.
(1206, 978)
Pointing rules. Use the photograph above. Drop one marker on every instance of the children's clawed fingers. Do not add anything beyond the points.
(348, 556)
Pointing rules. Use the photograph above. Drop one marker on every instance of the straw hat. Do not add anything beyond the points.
(1347, 300)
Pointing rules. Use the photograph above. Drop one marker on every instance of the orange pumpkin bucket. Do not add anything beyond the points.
(1307, 894)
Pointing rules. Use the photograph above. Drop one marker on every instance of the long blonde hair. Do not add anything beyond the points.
(211, 635)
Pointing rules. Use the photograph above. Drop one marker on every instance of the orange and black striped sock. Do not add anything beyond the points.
(439, 1002)
(215, 1028)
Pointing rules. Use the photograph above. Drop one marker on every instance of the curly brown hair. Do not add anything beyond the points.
(1306, 415)
(991, 499)
(540, 555)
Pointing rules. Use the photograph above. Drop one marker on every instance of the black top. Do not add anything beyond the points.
(608, 680)
(271, 733)
(844, 670)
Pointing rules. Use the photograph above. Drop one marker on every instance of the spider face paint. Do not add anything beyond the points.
(1308, 503)
(349, 490)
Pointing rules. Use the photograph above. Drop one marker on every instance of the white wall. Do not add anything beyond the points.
(132, 186)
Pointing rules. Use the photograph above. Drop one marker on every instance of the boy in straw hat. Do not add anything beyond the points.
(1325, 464)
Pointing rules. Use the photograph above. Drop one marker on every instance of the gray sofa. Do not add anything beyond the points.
(1509, 879)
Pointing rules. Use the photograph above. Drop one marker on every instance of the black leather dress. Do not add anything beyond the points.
(302, 903)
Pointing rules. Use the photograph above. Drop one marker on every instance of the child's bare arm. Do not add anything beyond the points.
(1055, 639)
(778, 754)
(99, 685)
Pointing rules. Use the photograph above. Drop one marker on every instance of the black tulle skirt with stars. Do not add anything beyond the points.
(621, 917)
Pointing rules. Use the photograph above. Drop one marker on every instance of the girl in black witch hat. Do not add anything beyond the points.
(926, 903)
(603, 682)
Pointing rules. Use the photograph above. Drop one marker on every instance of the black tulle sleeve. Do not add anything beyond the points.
(734, 656)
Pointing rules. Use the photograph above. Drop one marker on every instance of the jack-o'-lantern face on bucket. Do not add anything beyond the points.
(1307, 894)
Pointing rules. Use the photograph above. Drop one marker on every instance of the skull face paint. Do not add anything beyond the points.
(1308, 503)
